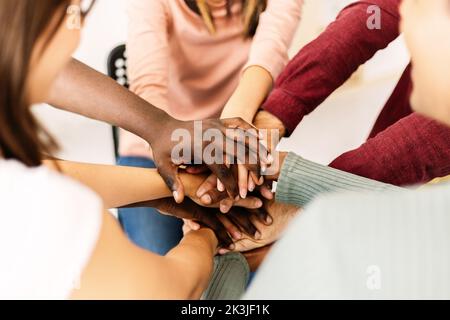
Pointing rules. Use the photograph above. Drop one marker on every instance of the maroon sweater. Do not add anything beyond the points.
(404, 148)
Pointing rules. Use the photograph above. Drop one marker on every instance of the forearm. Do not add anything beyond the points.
(415, 150)
(193, 258)
(255, 85)
(82, 90)
(301, 181)
(117, 186)
(118, 269)
(327, 62)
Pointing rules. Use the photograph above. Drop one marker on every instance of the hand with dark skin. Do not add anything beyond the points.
(263, 120)
(238, 218)
(84, 91)
(281, 215)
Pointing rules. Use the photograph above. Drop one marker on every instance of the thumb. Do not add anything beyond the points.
(169, 172)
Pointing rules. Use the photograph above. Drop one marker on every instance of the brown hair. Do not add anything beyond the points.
(252, 9)
(22, 22)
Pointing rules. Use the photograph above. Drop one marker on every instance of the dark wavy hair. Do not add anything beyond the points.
(22, 22)
(251, 11)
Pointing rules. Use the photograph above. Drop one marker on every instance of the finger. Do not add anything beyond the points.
(215, 197)
(245, 245)
(252, 133)
(192, 224)
(209, 184)
(234, 123)
(186, 229)
(249, 203)
(257, 179)
(204, 216)
(243, 181)
(251, 184)
(266, 192)
(196, 169)
(232, 229)
(257, 147)
(226, 205)
(241, 218)
(238, 149)
(169, 172)
(220, 186)
(225, 175)
(223, 252)
(262, 215)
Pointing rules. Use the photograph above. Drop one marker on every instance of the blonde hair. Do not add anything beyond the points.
(252, 9)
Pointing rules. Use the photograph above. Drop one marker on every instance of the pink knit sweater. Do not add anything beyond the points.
(175, 64)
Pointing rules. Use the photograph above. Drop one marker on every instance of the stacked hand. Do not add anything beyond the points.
(274, 128)
(246, 225)
(223, 138)
(281, 215)
(241, 222)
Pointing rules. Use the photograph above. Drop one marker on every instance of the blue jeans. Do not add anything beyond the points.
(146, 227)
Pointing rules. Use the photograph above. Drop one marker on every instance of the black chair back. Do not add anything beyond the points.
(117, 70)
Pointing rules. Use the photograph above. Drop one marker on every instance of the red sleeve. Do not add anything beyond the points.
(412, 151)
(327, 62)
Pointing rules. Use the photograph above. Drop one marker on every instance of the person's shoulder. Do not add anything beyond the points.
(28, 193)
(45, 191)
(49, 221)
(354, 206)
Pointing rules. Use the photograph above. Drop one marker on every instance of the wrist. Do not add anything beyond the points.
(151, 123)
(239, 108)
(280, 158)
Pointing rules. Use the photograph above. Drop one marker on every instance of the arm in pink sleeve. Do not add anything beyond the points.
(326, 63)
(414, 150)
(273, 38)
(147, 49)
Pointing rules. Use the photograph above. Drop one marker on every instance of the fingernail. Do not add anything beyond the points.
(221, 188)
(269, 220)
(258, 203)
(237, 235)
(270, 158)
(176, 196)
(243, 193)
(206, 199)
(251, 187)
(232, 246)
(223, 209)
(261, 181)
(263, 168)
(257, 235)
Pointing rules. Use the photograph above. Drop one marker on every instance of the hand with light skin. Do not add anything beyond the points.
(281, 215)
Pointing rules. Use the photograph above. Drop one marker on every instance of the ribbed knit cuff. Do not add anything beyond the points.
(301, 181)
(230, 278)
